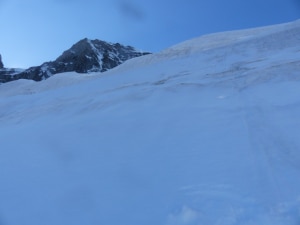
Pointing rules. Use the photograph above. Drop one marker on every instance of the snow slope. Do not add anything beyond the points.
(203, 133)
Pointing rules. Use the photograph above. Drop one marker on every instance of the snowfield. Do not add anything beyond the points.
(206, 132)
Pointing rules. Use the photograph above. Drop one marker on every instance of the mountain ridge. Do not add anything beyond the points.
(85, 56)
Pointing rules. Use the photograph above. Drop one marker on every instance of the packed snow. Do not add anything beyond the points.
(206, 132)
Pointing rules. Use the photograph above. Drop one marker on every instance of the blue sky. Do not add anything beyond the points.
(35, 31)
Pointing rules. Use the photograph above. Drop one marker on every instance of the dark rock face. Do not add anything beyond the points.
(83, 57)
(1, 63)
(7, 75)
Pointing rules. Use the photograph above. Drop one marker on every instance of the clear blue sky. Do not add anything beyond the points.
(35, 31)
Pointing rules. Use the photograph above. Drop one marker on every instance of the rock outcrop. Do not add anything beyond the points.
(1, 63)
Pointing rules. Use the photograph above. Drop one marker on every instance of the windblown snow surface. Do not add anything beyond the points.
(206, 132)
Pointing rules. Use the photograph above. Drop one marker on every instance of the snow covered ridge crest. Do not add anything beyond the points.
(83, 57)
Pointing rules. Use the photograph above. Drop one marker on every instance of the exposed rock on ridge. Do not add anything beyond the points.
(1, 63)
(7, 74)
(83, 57)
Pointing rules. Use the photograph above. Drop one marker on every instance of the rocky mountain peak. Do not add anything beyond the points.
(83, 57)
(96, 55)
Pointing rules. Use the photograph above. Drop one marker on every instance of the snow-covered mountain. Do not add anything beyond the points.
(83, 57)
(203, 133)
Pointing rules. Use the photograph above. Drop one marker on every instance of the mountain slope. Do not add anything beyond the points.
(205, 132)
(83, 57)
